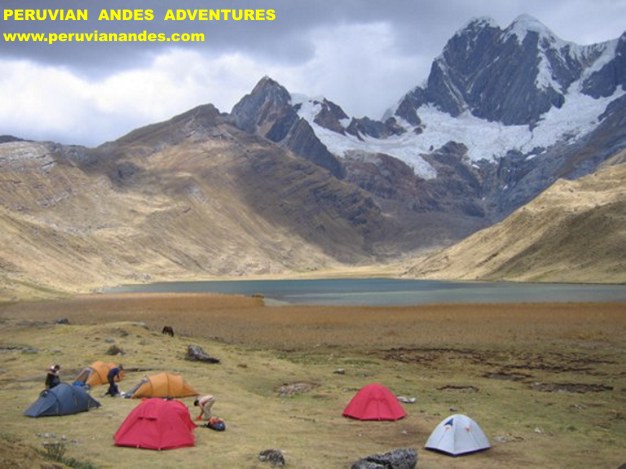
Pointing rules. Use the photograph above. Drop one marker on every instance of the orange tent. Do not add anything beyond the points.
(164, 385)
(97, 373)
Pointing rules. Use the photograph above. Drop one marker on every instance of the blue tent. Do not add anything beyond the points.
(62, 399)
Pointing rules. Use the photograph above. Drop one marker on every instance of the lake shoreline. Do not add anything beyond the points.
(387, 291)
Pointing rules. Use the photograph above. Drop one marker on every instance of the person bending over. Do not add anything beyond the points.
(205, 403)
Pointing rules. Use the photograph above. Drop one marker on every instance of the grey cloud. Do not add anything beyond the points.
(421, 25)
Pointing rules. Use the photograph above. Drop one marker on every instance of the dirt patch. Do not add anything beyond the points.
(460, 388)
(570, 387)
(509, 365)
(295, 388)
(429, 357)
(504, 375)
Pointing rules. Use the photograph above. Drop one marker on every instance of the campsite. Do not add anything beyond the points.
(546, 383)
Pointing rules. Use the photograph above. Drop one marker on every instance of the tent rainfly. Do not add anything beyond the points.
(457, 435)
(157, 424)
(164, 385)
(63, 399)
(96, 374)
(374, 402)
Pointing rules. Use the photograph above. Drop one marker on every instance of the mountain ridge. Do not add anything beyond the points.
(287, 184)
(166, 201)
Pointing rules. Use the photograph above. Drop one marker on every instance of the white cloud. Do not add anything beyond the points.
(49, 103)
(175, 82)
(40, 100)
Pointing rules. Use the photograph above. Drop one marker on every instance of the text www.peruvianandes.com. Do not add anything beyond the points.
(97, 36)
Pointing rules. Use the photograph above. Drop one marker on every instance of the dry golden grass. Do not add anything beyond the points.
(575, 231)
(495, 363)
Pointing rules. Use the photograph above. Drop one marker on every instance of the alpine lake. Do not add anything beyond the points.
(389, 291)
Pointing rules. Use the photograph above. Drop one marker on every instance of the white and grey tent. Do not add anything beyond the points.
(456, 435)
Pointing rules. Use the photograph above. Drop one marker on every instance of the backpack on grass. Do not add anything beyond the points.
(216, 424)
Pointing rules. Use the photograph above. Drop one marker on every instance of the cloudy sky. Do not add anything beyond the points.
(361, 54)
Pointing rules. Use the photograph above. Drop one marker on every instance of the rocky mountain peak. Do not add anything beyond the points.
(267, 101)
(473, 30)
(195, 123)
(513, 75)
(524, 24)
(611, 75)
(9, 138)
(268, 111)
(270, 88)
(478, 23)
(330, 116)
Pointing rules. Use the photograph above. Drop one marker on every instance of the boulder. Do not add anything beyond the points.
(196, 354)
(273, 456)
(403, 458)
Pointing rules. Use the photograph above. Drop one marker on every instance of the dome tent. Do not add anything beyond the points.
(374, 402)
(63, 399)
(100, 371)
(157, 424)
(457, 435)
(164, 385)
(96, 374)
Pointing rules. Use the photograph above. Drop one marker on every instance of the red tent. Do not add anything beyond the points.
(374, 402)
(157, 424)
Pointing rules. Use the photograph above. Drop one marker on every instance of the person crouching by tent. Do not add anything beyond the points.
(205, 403)
(112, 375)
(52, 376)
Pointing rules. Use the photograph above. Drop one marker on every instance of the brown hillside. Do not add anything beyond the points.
(192, 197)
(574, 232)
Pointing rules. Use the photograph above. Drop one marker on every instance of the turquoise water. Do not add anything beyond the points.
(392, 292)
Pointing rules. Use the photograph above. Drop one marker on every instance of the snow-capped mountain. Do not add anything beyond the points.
(516, 75)
(494, 90)
(511, 109)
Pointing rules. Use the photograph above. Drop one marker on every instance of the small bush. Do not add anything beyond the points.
(114, 350)
(55, 451)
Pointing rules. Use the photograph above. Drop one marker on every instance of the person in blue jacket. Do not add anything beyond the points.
(112, 375)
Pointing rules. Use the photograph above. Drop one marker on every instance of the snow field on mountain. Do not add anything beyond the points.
(484, 139)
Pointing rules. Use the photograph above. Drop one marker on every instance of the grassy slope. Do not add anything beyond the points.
(441, 355)
(185, 212)
(574, 232)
